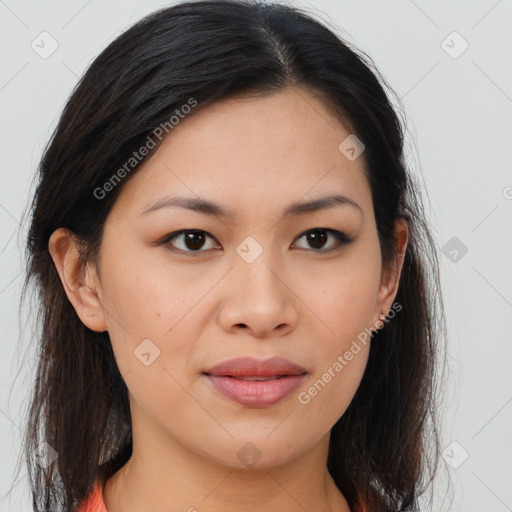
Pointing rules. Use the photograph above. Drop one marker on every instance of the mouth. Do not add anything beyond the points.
(255, 383)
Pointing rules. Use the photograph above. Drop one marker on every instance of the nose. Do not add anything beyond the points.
(258, 300)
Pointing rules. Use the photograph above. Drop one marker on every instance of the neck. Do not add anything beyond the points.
(174, 479)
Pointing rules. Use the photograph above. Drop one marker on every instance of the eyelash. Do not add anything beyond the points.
(341, 238)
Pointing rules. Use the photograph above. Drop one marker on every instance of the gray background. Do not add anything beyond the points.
(458, 108)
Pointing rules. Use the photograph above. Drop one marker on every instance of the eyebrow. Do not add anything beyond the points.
(211, 208)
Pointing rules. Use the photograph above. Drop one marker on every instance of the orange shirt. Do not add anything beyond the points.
(94, 502)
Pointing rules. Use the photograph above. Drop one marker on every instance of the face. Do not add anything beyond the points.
(180, 290)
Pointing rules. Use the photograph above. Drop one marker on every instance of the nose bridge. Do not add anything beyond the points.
(256, 295)
(256, 269)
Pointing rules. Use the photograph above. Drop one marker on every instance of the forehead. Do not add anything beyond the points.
(252, 152)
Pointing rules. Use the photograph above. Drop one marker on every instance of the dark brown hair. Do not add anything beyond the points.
(384, 450)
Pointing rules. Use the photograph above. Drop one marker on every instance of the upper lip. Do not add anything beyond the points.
(252, 367)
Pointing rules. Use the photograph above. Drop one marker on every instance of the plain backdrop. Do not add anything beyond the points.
(450, 63)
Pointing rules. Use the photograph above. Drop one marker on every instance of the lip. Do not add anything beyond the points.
(226, 378)
(252, 367)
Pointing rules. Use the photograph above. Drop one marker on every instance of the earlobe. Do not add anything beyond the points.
(78, 279)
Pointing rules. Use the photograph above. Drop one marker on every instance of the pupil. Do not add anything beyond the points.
(194, 240)
(317, 237)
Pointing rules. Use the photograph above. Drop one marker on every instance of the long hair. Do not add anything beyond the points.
(384, 450)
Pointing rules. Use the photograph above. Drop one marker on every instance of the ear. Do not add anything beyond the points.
(79, 279)
(390, 278)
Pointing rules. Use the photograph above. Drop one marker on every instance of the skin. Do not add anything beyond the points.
(255, 156)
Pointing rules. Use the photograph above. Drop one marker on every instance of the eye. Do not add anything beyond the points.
(317, 238)
(193, 240)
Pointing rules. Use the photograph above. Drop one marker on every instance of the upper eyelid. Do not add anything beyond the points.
(175, 234)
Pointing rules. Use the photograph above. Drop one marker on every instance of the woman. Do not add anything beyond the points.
(239, 294)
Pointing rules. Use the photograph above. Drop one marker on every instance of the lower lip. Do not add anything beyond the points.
(256, 393)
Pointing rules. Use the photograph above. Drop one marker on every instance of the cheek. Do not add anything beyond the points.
(344, 301)
(152, 329)
(341, 357)
(344, 294)
(348, 305)
(146, 294)
(141, 303)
